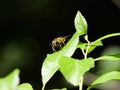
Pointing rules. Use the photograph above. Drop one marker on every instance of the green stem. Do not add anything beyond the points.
(86, 38)
(85, 53)
(81, 83)
(106, 36)
(43, 87)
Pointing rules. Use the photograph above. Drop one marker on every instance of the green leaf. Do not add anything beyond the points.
(24, 86)
(98, 43)
(60, 89)
(104, 37)
(49, 67)
(83, 46)
(73, 69)
(80, 23)
(71, 46)
(11, 81)
(109, 57)
(104, 78)
(50, 64)
(94, 45)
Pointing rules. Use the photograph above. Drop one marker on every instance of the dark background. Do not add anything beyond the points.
(28, 26)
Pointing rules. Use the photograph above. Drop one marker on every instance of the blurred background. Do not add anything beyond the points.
(27, 28)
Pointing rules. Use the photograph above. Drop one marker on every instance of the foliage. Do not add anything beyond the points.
(73, 69)
(11, 82)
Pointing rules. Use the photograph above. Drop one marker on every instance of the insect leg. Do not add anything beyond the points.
(53, 48)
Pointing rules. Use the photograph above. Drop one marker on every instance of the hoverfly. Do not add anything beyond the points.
(58, 42)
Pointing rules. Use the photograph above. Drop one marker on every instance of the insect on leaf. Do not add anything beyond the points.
(71, 46)
(50, 64)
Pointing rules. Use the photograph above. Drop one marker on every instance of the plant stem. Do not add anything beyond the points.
(43, 87)
(106, 36)
(85, 54)
(81, 83)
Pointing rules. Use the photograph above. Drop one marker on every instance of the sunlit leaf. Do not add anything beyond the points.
(50, 64)
(80, 23)
(83, 46)
(98, 43)
(49, 67)
(104, 78)
(24, 86)
(71, 46)
(60, 89)
(11, 81)
(73, 69)
(109, 57)
(94, 45)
